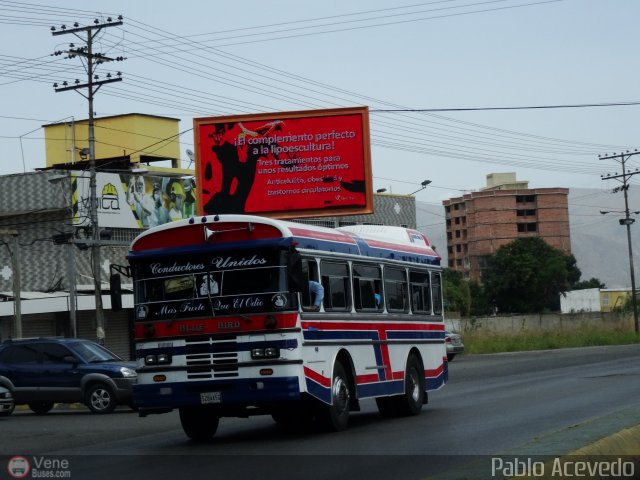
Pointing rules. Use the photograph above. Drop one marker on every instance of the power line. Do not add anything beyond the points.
(474, 109)
(454, 135)
(435, 17)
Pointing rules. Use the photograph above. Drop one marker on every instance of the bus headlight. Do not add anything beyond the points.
(164, 358)
(268, 352)
(159, 359)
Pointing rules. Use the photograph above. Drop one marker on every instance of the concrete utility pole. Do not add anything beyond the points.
(14, 252)
(92, 85)
(627, 221)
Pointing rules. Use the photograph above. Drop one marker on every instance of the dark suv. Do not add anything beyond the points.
(42, 371)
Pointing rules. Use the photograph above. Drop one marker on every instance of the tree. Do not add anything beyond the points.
(456, 292)
(480, 304)
(591, 283)
(528, 276)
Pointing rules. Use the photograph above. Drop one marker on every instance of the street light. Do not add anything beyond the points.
(381, 190)
(424, 185)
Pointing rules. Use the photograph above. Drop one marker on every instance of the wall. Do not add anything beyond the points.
(543, 322)
(116, 136)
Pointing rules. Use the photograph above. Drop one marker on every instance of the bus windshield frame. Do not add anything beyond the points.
(210, 283)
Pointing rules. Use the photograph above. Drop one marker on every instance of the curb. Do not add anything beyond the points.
(625, 442)
(603, 434)
(57, 406)
(598, 440)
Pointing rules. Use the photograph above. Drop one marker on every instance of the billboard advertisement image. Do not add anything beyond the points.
(284, 164)
(133, 200)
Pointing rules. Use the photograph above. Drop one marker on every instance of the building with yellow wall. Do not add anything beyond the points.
(121, 142)
(611, 299)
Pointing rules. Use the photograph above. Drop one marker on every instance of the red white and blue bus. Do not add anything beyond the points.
(225, 321)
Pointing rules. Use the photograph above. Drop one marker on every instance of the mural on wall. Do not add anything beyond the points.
(133, 200)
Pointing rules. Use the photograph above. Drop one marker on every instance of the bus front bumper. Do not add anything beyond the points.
(238, 393)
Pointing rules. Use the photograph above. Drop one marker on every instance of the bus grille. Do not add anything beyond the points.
(208, 358)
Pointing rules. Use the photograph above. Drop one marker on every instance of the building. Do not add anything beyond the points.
(389, 209)
(479, 223)
(595, 300)
(122, 142)
(46, 277)
(39, 253)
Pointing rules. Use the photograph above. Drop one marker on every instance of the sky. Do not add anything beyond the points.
(444, 81)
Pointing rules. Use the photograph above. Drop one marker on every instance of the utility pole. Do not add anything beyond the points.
(627, 221)
(93, 84)
(14, 252)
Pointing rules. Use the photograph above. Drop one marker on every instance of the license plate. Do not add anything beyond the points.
(210, 397)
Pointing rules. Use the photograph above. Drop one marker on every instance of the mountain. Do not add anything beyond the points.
(598, 241)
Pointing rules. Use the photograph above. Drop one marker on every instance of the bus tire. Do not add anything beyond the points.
(294, 418)
(386, 406)
(40, 408)
(335, 417)
(199, 423)
(410, 403)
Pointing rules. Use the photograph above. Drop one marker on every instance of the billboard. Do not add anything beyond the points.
(132, 200)
(287, 164)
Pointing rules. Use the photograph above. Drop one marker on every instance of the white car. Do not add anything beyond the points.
(6, 402)
(454, 344)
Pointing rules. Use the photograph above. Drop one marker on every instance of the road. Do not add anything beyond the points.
(492, 404)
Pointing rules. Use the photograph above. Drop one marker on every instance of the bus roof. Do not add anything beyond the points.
(380, 241)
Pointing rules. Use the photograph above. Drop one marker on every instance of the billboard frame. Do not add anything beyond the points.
(363, 147)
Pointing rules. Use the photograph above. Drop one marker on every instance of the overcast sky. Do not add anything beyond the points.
(193, 58)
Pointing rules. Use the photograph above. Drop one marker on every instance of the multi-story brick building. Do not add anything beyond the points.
(479, 223)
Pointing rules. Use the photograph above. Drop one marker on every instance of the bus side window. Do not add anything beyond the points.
(395, 289)
(420, 292)
(436, 292)
(336, 283)
(367, 287)
(310, 274)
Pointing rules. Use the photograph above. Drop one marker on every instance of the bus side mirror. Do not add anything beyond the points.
(115, 287)
(294, 267)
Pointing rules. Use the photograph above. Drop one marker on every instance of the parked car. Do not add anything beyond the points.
(6, 402)
(44, 371)
(454, 344)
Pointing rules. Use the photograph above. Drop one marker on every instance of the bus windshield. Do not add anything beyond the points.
(193, 286)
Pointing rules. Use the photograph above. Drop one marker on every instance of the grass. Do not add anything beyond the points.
(488, 342)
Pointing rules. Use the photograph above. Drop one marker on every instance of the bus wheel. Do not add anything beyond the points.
(411, 402)
(200, 424)
(386, 406)
(335, 417)
(40, 408)
(294, 418)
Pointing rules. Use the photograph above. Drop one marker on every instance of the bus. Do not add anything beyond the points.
(239, 315)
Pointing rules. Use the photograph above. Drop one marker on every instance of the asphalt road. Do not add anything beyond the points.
(493, 404)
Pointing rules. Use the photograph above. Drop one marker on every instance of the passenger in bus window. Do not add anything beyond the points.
(317, 291)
